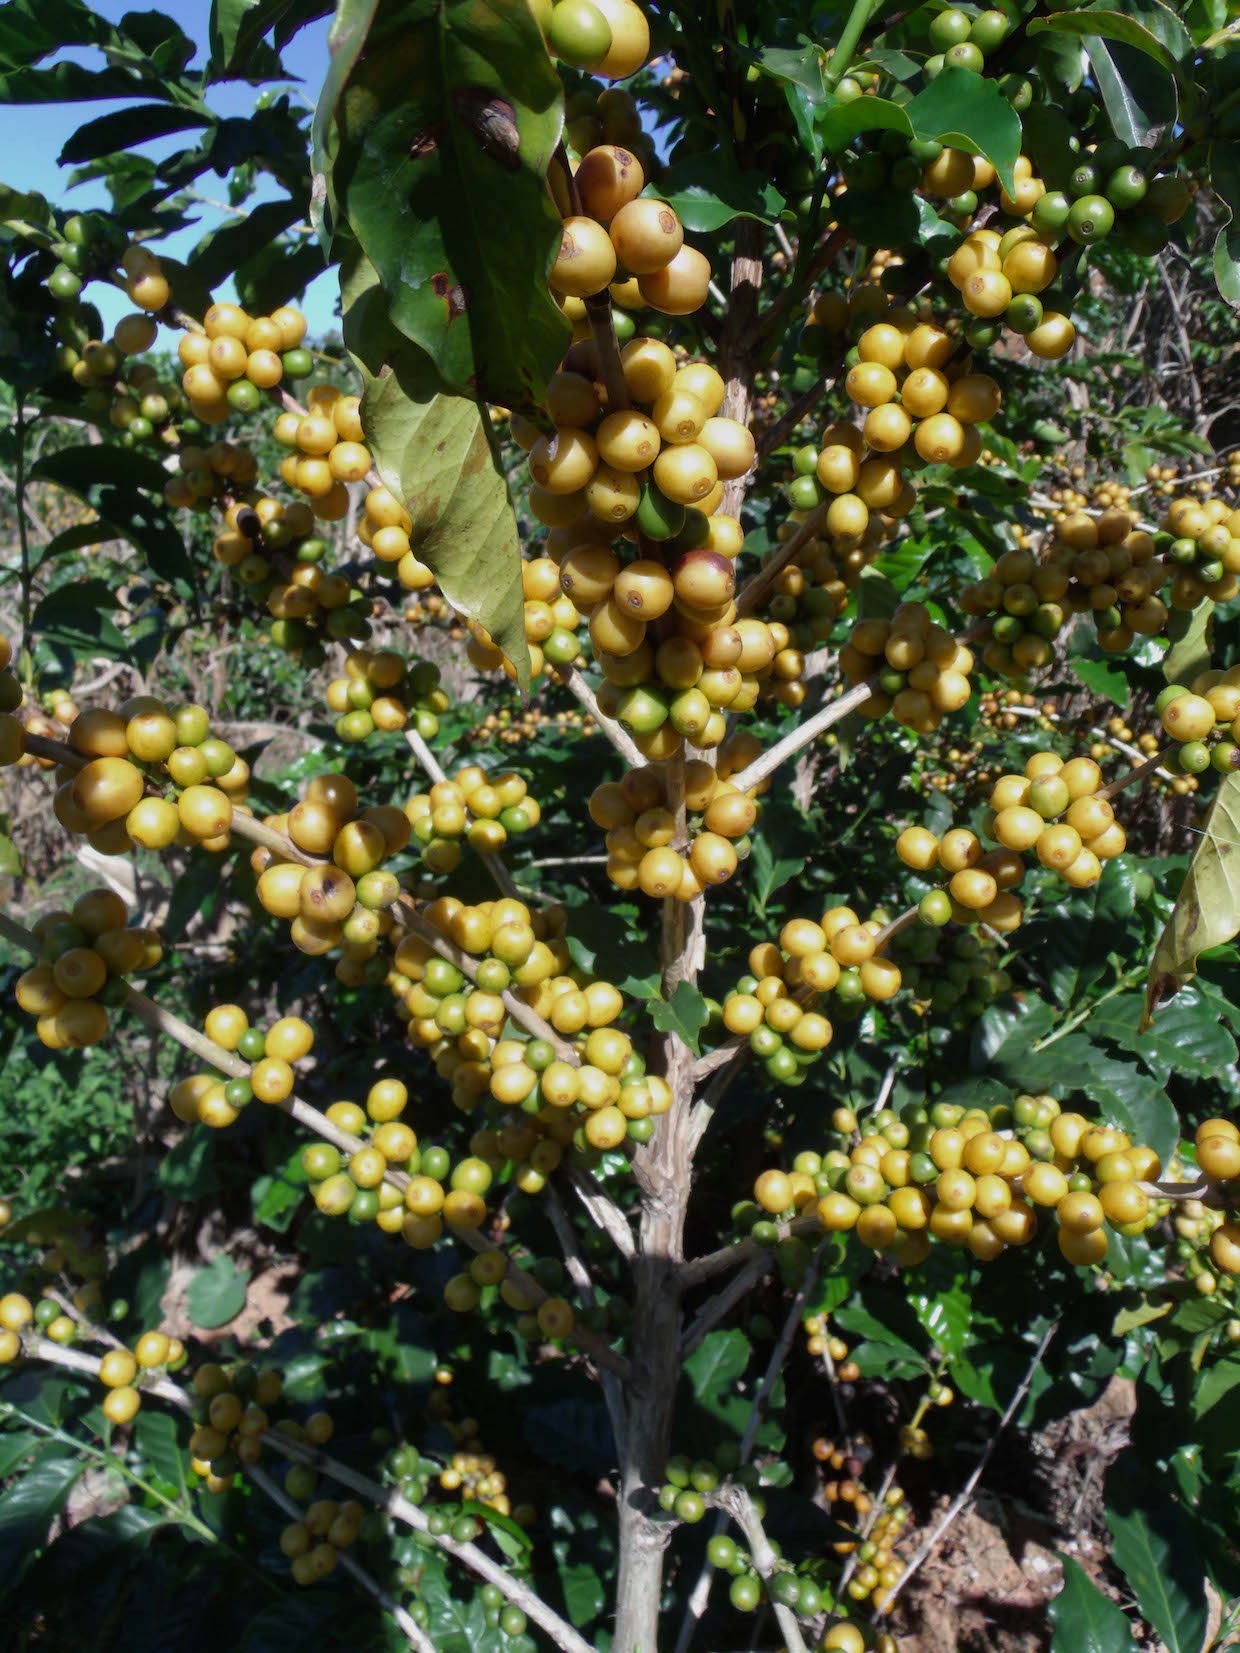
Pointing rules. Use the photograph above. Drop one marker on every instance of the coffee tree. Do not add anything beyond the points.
(645, 820)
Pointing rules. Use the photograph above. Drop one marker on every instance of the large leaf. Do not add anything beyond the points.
(433, 451)
(1225, 178)
(964, 109)
(27, 1510)
(77, 617)
(216, 1294)
(87, 466)
(1207, 910)
(1147, 26)
(29, 29)
(1085, 1621)
(157, 1440)
(684, 1014)
(237, 27)
(123, 128)
(1138, 94)
(1155, 1552)
(1191, 633)
(444, 133)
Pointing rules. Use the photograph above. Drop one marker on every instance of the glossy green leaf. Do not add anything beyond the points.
(718, 1363)
(708, 191)
(78, 617)
(1207, 910)
(1084, 1620)
(1225, 179)
(236, 31)
(1102, 679)
(1148, 27)
(433, 451)
(216, 1294)
(843, 122)
(1154, 1550)
(157, 1440)
(684, 1014)
(28, 1509)
(964, 109)
(1138, 95)
(444, 132)
(1192, 635)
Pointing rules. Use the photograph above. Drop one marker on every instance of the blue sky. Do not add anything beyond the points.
(32, 135)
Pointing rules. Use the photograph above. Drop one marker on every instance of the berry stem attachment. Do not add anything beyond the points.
(612, 731)
(1137, 774)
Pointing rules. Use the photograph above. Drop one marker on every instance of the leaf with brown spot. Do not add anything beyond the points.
(437, 158)
(1207, 910)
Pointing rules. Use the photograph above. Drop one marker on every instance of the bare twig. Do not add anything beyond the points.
(833, 712)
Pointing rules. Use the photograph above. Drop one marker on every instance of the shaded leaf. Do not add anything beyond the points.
(27, 1510)
(1084, 1620)
(964, 109)
(1191, 635)
(216, 1294)
(444, 132)
(77, 617)
(1155, 1551)
(1103, 679)
(1155, 30)
(433, 451)
(1139, 96)
(139, 123)
(708, 191)
(1207, 910)
(684, 1014)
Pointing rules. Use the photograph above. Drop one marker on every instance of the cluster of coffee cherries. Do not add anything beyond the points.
(955, 979)
(83, 954)
(921, 671)
(129, 393)
(236, 359)
(616, 237)
(275, 554)
(540, 1317)
(340, 900)
(1204, 549)
(973, 1177)
(154, 776)
(878, 1569)
(1207, 1236)
(480, 808)
(120, 1369)
(610, 38)
(358, 1185)
(772, 1006)
(1103, 566)
(1204, 721)
(328, 450)
(1000, 279)
(643, 850)
(551, 622)
(205, 474)
(922, 406)
(1055, 810)
(380, 690)
(217, 1102)
(460, 1018)
(385, 528)
(232, 1411)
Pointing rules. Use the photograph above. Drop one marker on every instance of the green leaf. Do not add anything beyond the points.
(718, 1363)
(610, 950)
(453, 112)
(1191, 633)
(946, 1317)
(157, 1441)
(73, 539)
(769, 873)
(1153, 29)
(684, 1014)
(1084, 1620)
(708, 191)
(1219, 1381)
(877, 598)
(1144, 1314)
(10, 858)
(1207, 910)
(216, 1294)
(75, 617)
(433, 451)
(1225, 180)
(124, 128)
(80, 469)
(967, 111)
(237, 27)
(1138, 95)
(1102, 679)
(1156, 1553)
(845, 121)
(27, 1511)
(275, 1199)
